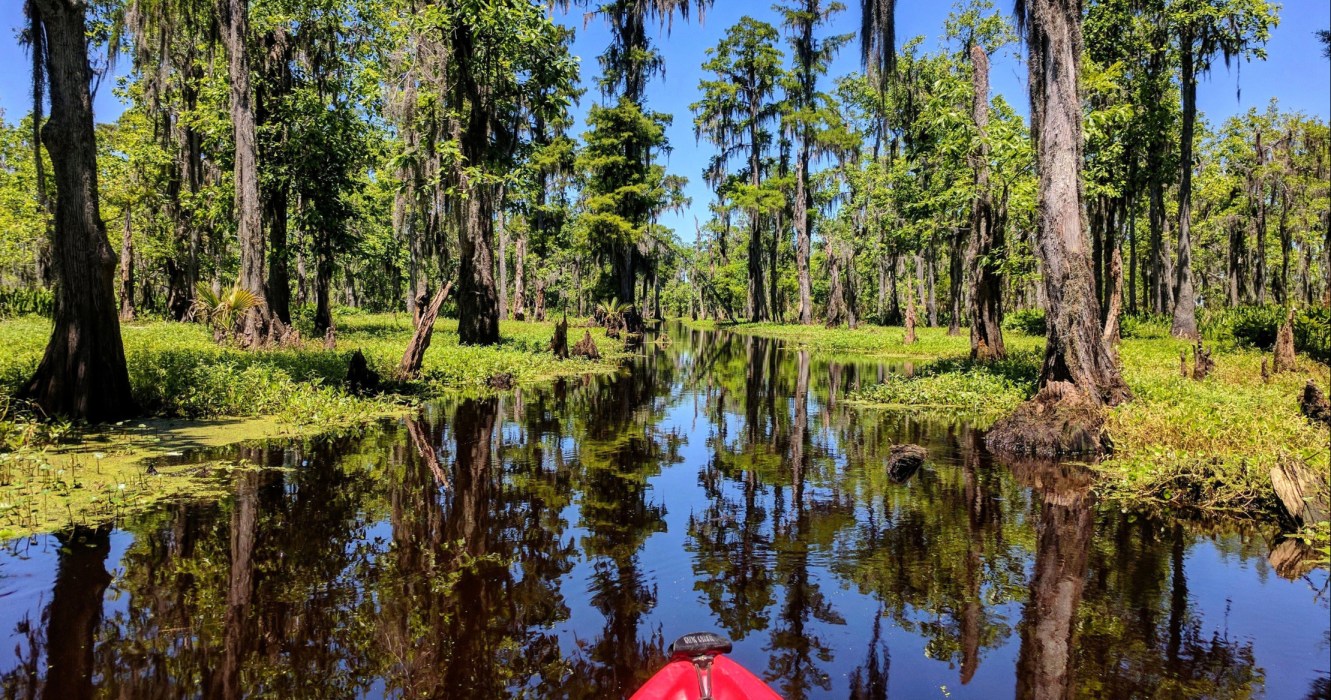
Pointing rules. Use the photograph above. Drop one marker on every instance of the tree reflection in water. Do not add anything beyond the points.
(512, 545)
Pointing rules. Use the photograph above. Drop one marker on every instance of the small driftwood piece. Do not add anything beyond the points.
(904, 461)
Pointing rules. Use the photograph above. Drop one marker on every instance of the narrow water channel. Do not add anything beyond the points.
(550, 542)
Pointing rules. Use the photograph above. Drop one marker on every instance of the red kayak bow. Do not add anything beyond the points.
(698, 671)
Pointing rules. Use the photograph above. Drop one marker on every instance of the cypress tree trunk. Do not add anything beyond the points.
(127, 270)
(1078, 376)
(478, 303)
(803, 237)
(323, 284)
(503, 255)
(986, 237)
(520, 279)
(279, 275)
(1185, 302)
(956, 274)
(757, 296)
(1259, 199)
(234, 22)
(83, 373)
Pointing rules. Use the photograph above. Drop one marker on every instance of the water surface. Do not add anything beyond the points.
(551, 542)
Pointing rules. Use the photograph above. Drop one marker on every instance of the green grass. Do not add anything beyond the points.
(54, 473)
(176, 370)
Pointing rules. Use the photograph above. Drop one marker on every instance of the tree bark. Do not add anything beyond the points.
(420, 340)
(127, 269)
(279, 275)
(986, 237)
(478, 302)
(1185, 302)
(234, 21)
(803, 236)
(1259, 220)
(82, 373)
(323, 283)
(520, 279)
(1078, 375)
(501, 225)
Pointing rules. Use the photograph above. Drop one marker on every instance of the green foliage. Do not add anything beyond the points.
(949, 386)
(1257, 327)
(1144, 326)
(224, 312)
(22, 302)
(176, 370)
(1028, 321)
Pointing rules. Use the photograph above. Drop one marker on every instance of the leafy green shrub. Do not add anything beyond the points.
(1257, 326)
(960, 384)
(1143, 326)
(23, 302)
(1312, 333)
(1028, 321)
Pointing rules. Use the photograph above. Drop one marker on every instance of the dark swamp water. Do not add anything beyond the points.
(552, 542)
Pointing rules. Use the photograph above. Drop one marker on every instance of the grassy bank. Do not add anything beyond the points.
(1203, 446)
(196, 393)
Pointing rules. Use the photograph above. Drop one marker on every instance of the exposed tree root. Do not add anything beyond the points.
(1050, 426)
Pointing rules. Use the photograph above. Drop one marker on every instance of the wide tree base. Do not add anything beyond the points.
(1049, 427)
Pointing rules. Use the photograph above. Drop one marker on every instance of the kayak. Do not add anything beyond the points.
(698, 670)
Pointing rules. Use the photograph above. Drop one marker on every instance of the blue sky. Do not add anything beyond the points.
(1295, 72)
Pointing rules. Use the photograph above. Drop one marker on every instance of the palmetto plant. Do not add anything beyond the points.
(224, 311)
(612, 312)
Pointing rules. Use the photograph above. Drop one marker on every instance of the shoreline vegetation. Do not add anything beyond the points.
(1196, 448)
(1200, 448)
(201, 395)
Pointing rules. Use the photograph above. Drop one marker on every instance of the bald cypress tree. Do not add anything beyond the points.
(83, 373)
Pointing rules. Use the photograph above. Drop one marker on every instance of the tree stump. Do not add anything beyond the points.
(360, 378)
(1314, 405)
(330, 339)
(904, 461)
(1048, 427)
(503, 380)
(1284, 352)
(587, 347)
(559, 343)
